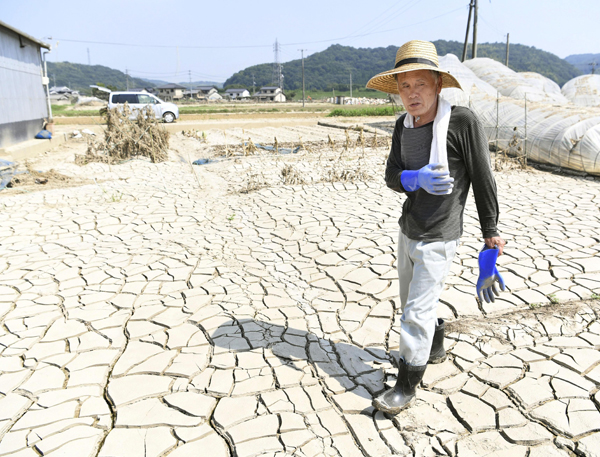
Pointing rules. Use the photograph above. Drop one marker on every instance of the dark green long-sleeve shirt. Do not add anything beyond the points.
(427, 217)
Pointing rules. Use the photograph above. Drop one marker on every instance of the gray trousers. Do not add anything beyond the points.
(422, 270)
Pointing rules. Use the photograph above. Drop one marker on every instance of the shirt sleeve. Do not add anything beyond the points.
(394, 168)
(477, 162)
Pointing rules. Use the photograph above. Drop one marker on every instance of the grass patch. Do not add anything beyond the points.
(247, 109)
(68, 111)
(363, 111)
(356, 92)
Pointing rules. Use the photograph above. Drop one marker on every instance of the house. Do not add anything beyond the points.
(62, 95)
(170, 92)
(236, 94)
(207, 91)
(214, 96)
(23, 86)
(270, 94)
(194, 93)
(203, 93)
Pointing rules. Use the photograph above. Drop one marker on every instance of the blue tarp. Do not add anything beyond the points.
(258, 145)
(272, 148)
(44, 135)
(203, 161)
(7, 170)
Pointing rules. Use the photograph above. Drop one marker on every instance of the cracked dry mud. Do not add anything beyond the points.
(158, 314)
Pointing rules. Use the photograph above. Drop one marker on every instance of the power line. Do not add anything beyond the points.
(163, 45)
(391, 18)
(404, 26)
(377, 18)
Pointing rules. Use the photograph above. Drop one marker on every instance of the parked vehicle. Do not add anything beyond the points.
(168, 112)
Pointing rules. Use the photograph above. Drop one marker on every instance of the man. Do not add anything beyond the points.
(437, 152)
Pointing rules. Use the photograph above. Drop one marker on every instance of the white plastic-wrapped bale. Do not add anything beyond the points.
(583, 90)
(473, 87)
(566, 136)
(510, 83)
(546, 85)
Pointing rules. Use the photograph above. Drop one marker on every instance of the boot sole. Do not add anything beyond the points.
(436, 360)
(392, 410)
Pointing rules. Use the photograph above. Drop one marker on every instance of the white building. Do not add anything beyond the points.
(170, 92)
(236, 94)
(270, 94)
(23, 97)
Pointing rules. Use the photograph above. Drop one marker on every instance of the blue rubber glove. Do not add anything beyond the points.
(488, 275)
(433, 178)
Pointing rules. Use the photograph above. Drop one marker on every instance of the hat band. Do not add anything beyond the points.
(415, 60)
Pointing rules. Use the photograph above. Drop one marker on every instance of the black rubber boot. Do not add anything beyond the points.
(438, 353)
(403, 394)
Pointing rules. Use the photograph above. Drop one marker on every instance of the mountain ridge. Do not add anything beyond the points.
(330, 69)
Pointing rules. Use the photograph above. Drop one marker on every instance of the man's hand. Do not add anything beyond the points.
(496, 241)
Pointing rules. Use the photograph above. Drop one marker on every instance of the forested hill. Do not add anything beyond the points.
(79, 77)
(330, 69)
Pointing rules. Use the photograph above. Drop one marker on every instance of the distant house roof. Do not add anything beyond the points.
(269, 87)
(206, 88)
(62, 90)
(236, 91)
(171, 86)
(24, 35)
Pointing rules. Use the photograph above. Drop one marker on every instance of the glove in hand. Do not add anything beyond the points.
(434, 178)
(488, 275)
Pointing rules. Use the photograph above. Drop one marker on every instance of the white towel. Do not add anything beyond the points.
(439, 151)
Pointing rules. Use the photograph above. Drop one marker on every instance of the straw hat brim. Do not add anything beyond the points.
(386, 81)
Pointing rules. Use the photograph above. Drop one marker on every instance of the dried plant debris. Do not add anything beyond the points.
(341, 171)
(126, 138)
(196, 134)
(290, 175)
(245, 148)
(27, 179)
(256, 181)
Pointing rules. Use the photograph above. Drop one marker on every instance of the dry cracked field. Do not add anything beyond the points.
(247, 307)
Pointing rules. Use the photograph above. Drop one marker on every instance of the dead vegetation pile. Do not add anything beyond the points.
(346, 169)
(126, 138)
(256, 181)
(291, 176)
(195, 134)
(350, 161)
(27, 179)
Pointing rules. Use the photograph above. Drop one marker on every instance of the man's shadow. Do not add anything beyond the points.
(351, 368)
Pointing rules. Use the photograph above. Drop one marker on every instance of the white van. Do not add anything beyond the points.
(138, 100)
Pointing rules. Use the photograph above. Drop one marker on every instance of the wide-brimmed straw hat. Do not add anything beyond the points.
(414, 55)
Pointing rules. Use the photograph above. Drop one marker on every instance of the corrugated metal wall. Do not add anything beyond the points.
(22, 97)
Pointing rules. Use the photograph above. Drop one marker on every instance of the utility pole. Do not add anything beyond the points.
(464, 54)
(190, 75)
(475, 8)
(253, 84)
(54, 78)
(302, 51)
(507, 43)
(127, 77)
(350, 83)
(89, 60)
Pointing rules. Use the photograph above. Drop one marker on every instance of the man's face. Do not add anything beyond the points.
(419, 90)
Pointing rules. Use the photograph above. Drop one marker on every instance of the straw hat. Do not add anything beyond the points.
(414, 55)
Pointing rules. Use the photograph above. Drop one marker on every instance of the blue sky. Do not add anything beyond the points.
(213, 40)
